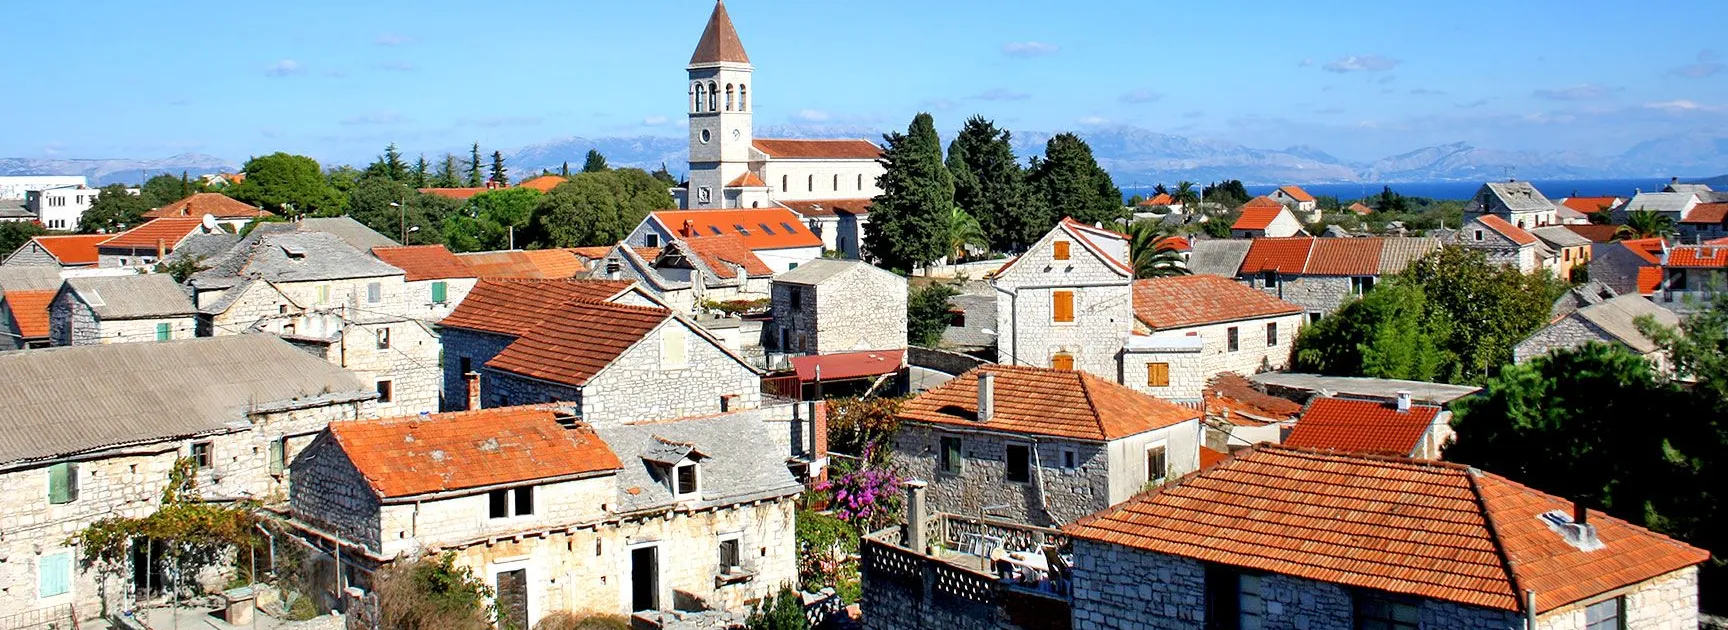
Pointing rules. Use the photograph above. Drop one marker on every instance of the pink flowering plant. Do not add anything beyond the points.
(868, 497)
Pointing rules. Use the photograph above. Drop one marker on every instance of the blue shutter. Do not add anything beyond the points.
(54, 575)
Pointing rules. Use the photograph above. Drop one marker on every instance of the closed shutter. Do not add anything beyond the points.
(1062, 361)
(1061, 250)
(440, 292)
(63, 483)
(1158, 375)
(54, 575)
(164, 331)
(374, 292)
(278, 455)
(1064, 305)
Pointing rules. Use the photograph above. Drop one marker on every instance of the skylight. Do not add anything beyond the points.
(766, 229)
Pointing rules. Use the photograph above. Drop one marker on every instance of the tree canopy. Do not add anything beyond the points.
(927, 313)
(289, 185)
(595, 162)
(114, 210)
(1069, 183)
(909, 220)
(599, 208)
(369, 203)
(990, 184)
(484, 223)
(1383, 335)
(164, 189)
(14, 234)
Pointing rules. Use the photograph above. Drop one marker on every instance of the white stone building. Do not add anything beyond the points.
(829, 306)
(120, 309)
(688, 272)
(1190, 328)
(1612, 321)
(60, 207)
(1504, 243)
(1515, 202)
(1067, 302)
(777, 236)
(16, 186)
(1294, 198)
(239, 407)
(434, 280)
(1264, 217)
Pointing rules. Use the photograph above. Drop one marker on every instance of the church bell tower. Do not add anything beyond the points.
(719, 103)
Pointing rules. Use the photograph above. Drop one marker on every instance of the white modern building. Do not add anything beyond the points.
(14, 186)
(60, 208)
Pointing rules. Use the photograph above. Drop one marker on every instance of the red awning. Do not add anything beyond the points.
(849, 365)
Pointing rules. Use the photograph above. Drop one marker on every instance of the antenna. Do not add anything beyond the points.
(209, 223)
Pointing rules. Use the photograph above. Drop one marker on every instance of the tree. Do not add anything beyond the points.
(595, 162)
(989, 183)
(343, 178)
(487, 220)
(665, 177)
(1489, 307)
(164, 189)
(417, 175)
(1391, 202)
(1160, 190)
(1069, 182)
(908, 220)
(581, 212)
(1382, 335)
(114, 210)
(389, 165)
(447, 174)
(290, 185)
(963, 231)
(1185, 194)
(500, 176)
(927, 313)
(474, 180)
(1643, 223)
(1228, 193)
(783, 611)
(369, 203)
(1154, 251)
(432, 593)
(14, 234)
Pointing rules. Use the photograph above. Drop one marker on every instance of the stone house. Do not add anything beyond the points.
(1399, 427)
(1041, 446)
(227, 211)
(829, 306)
(557, 515)
(1263, 217)
(840, 222)
(1514, 202)
(239, 407)
(1568, 250)
(1412, 544)
(1504, 243)
(1674, 205)
(776, 235)
(1691, 275)
(24, 317)
(1067, 302)
(687, 273)
(1611, 321)
(149, 243)
(434, 280)
(1294, 198)
(1321, 274)
(120, 309)
(1629, 266)
(1705, 222)
(1190, 328)
(71, 251)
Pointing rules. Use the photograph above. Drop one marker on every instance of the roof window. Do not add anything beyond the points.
(741, 229)
(765, 229)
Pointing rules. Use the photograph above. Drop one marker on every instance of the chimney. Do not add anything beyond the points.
(1673, 180)
(473, 381)
(1580, 515)
(689, 228)
(161, 249)
(986, 396)
(917, 517)
(1403, 401)
(492, 185)
(613, 268)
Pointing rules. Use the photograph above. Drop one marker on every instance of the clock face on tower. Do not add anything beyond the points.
(736, 134)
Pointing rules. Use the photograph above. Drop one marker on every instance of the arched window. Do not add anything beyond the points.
(700, 94)
(785, 184)
(860, 182)
(810, 184)
(743, 98)
(729, 101)
(836, 182)
(713, 97)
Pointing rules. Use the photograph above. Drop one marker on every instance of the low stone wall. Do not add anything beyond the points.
(905, 591)
(942, 360)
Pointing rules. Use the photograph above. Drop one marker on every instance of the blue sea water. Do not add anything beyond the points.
(1553, 189)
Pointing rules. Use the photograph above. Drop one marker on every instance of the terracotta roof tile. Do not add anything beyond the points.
(719, 41)
(1514, 233)
(1590, 205)
(515, 306)
(829, 207)
(1707, 256)
(1596, 233)
(761, 228)
(1650, 249)
(725, 253)
(1284, 255)
(1257, 217)
(1160, 199)
(1344, 257)
(1234, 399)
(1041, 401)
(1427, 529)
(553, 264)
(848, 365)
(403, 457)
(1211, 457)
(424, 262)
(747, 180)
(1707, 214)
(168, 231)
(543, 183)
(214, 204)
(74, 249)
(1176, 243)
(1360, 209)
(582, 338)
(1368, 426)
(30, 311)
(1183, 301)
(818, 149)
(1296, 192)
(1649, 279)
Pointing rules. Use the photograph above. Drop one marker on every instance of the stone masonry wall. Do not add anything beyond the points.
(411, 527)
(417, 298)
(478, 348)
(982, 480)
(1103, 308)
(1570, 332)
(1668, 602)
(865, 309)
(1316, 294)
(638, 386)
(70, 321)
(144, 330)
(329, 494)
(410, 364)
(30, 255)
(504, 389)
(1253, 355)
(1189, 372)
(259, 300)
(1118, 588)
(792, 329)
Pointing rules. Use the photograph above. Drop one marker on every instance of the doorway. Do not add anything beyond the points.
(147, 573)
(513, 599)
(644, 579)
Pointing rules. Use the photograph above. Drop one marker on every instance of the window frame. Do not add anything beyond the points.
(1070, 458)
(1057, 299)
(521, 497)
(677, 478)
(64, 561)
(1271, 334)
(1066, 357)
(950, 455)
(1362, 601)
(382, 336)
(386, 389)
(203, 454)
(1233, 339)
(1616, 622)
(498, 504)
(735, 542)
(440, 291)
(1009, 463)
(1155, 370)
(374, 292)
(1061, 250)
(1162, 448)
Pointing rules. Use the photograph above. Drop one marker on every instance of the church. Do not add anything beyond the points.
(827, 183)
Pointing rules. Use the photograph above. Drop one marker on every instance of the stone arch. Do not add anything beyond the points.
(713, 96)
(743, 98)
(701, 93)
(730, 97)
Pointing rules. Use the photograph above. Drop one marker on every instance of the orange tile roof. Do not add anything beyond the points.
(1296, 192)
(1176, 243)
(74, 249)
(1344, 257)
(720, 42)
(761, 228)
(1650, 249)
(404, 457)
(1042, 401)
(1183, 301)
(513, 306)
(1210, 457)
(214, 204)
(1233, 398)
(1427, 529)
(848, 365)
(424, 262)
(1160, 199)
(1257, 217)
(1369, 426)
(1707, 213)
(543, 183)
(818, 149)
(1287, 255)
(1708, 256)
(747, 180)
(455, 193)
(1590, 205)
(1513, 232)
(1361, 209)
(1596, 233)
(1263, 202)
(530, 263)
(30, 311)
(582, 338)
(169, 232)
(721, 252)
(592, 253)
(1649, 279)
(829, 207)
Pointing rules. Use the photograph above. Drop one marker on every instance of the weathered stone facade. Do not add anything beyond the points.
(71, 322)
(860, 308)
(1103, 307)
(1669, 602)
(1498, 248)
(1262, 345)
(417, 299)
(400, 356)
(1317, 295)
(32, 254)
(466, 351)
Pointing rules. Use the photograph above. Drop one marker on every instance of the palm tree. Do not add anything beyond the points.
(1185, 194)
(963, 230)
(1643, 223)
(1154, 251)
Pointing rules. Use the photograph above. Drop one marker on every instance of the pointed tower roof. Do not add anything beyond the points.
(720, 43)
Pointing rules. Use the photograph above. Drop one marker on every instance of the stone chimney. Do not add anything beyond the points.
(986, 396)
(472, 379)
(689, 228)
(1403, 401)
(917, 517)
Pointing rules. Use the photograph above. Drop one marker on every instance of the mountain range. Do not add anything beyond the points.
(1134, 156)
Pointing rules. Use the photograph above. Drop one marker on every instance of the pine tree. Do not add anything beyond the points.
(417, 177)
(474, 180)
(1071, 184)
(991, 186)
(446, 176)
(564, 171)
(665, 177)
(595, 162)
(389, 166)
(909, 220)
(500, 175)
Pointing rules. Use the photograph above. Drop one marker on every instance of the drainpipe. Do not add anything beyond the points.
(1529, 610)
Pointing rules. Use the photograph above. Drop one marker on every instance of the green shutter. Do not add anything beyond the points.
(164, 331)
(54, 575)
(440, 291)
(278, 456)
(62, 483)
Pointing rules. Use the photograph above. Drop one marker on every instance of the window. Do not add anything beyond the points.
(703, 194)
(1061, 252)
(1269, 279)
(374, 292)
(1603, 615)
(728, 554)
(1233, 600)
(1062, 306)
(785, 183)
(705, 138)
(499, 503)
(525, 501)
(791, 266)
(164, 331)
(1062, 361)
(63, 483)
(1019, 463)
(441, 289)
(383, 338)
(687, 479)
(860, 182)
(730, 102)
(836, 182)
(54, 575)
(713, 97)
(701, 93)
(1157, 466)
(1375, 612)
(1271, 334)
(672, 350)
(743, 97)
(1233, 338)
(1070, 458)
(203, 455)
(323, 293)
(278, 455)
(951, 455)
(810, 183)
(796, 297)
(463, 364)
(1361, 284)
(1314, 316)
(386, 391)
(1478, 235)
(1157, 374)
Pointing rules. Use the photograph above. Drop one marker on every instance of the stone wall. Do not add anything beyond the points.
(331, 495)
(257, 301)
(1668, 602)
(863, 309)
(942, 360)
(1118, 588)
(417, 298)
(1189, 371)
(474, 346)
(639, 386)
(1253, 355)
(1571, 332)
(982, 481)
(450, 521)
(410, 364)
(1103, 308)
(71, 322)
(1315, 294)
(504, 389)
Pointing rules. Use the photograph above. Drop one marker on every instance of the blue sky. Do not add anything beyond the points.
(1362, 80)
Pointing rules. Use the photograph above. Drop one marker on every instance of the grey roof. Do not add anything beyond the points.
(14, 209)
(83, 398)
(1335, 231)
(356, 234)
(1686, 188)
(291, 257)
(24, 278)
(1674, 202)
(1618, 316)
(1437, 393)
(1519, 197)
(200, 246)
(1559, 236)
(1218, 257)
(1592, 292)
(1397, 252)
(136, 296)
(819, 271)
(742, 462)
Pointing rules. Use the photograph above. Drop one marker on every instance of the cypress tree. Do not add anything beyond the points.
(909, 220)
(594, 162)
(564, 171)
(446, 176)
(499, 175)
(417, 176)
(1070, 183)
(990, 185)
(474, 180)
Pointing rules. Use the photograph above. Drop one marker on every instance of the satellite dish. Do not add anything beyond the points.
(209, 223)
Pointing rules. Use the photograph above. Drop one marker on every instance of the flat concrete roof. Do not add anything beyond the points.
(1435, 393)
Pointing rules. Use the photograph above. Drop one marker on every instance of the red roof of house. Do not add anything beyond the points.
(580, 339)
(30, 311)
(720, 42)
(1296, 192)
(1042, 401)
(214, 204)
(1175, 243)
(848, 365)
(553, 264)
(455, 193)
(1649, 279)
(1263, 202)
(830, 207)
(1596, 233)
(1590, 205)
(1650, 249)
(1344, 257)
(1257, 217)
(1709, 256)
(169, 232)
(1514, 233)
(1233, 398)
(1707, 214)
(424, 262)
(818, 149)
(761, 228)
(747, 180)
(403, 457)
(74, 249)
(515, 306)
(1211, 457)
(1361, 209)
(1428, 529)
(721, 252)
(543, 183)
(1369, 426)
(1184, 301)
(1160, 199)
(1286, 255)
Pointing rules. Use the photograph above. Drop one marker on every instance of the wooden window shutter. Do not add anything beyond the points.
(440, 292)
(1157, 374)
(1062, 361)
(1061, 250)
(62, 483)
(1064, 305)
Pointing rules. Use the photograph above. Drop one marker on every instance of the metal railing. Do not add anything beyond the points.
(53, 618)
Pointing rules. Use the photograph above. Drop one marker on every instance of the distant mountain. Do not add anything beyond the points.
(121, 170)
(644, 152)
(1460, 161)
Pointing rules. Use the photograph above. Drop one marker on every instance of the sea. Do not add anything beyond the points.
(1553, 189)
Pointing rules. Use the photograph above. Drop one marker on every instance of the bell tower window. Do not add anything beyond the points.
(701, 93)
(743, 98)
(713, 97)
(810, 183)
(730, 103)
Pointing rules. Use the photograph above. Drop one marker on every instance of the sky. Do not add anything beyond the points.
(1359, 80)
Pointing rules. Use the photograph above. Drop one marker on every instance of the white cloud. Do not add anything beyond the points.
(393, 39)
(283, 68)
(1361, 63)
(1094, 121)
(811, 115)
(655, 121)
(1580, 92)
(1142, 96)
(398, 66)
(1029, 49)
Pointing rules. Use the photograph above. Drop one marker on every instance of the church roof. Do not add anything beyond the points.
(848, 149)
(720, 43)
